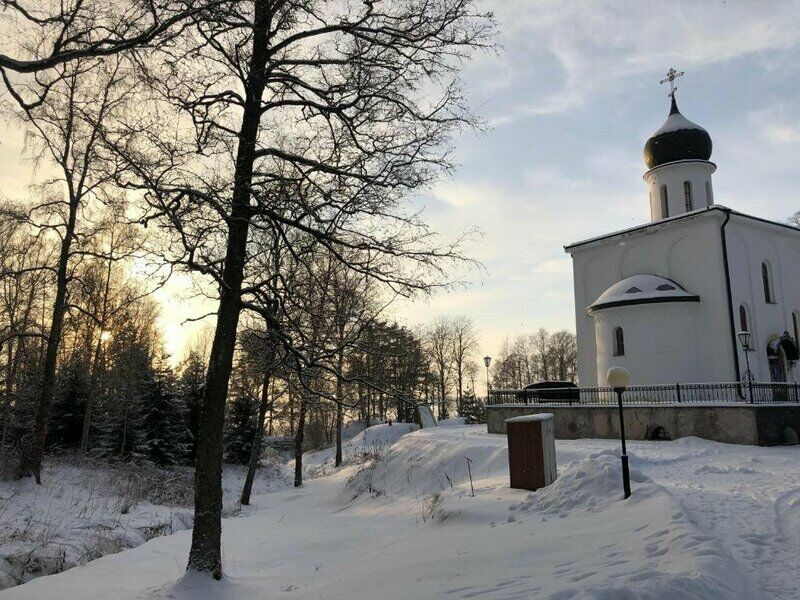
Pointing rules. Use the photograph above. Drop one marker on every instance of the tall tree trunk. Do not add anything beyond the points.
(442, 392)
(206, 555)
(291, 414)
(87, 413)
(460, 399)
(255, 451)
(271, 414)
(339, 411)
(33, 462)
(298, 443)
(15, 349)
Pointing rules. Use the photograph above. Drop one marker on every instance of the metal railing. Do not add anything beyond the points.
(677, 393)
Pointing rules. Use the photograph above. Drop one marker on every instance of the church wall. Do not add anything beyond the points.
(655, 342)
(750, 243)
(689, 252)
(672, 176)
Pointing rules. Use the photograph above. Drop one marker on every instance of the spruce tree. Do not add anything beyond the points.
(240, 429)
(192, 382)
(68, 407)
(163, 437)
(473, 409)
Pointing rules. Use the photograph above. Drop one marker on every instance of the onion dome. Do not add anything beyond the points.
(642, 289)
(677, 139)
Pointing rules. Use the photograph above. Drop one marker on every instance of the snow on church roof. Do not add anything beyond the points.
(675, 122)
(642, 289)
(700, 212)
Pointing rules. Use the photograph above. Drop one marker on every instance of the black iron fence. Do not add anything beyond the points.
(678, 393)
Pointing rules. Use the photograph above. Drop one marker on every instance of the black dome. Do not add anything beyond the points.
(677, 139)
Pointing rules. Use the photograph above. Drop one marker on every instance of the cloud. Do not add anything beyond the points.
(783, 133)
(778, 123)
(557, 266)
(563, 52)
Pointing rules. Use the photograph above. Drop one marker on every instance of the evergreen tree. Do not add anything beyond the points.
(192, 381)
(130, 382)
(164, 437)
(68, 408)
(473, 409)
(240, 429)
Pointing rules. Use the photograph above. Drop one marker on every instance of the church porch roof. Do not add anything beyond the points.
(642, 289)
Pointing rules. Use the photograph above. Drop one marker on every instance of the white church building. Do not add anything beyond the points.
(667, 299)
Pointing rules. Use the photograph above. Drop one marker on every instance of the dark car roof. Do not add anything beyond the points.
(549, 384)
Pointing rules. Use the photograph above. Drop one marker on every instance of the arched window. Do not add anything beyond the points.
(687, 196)
(796, 325)
(709, 196)
(664, 202)
(766, 279)
(619, 342)
(743, 318)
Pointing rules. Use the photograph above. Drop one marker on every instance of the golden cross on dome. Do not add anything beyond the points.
(672, 75)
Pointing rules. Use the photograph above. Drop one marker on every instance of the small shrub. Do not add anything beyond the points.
(431, 507)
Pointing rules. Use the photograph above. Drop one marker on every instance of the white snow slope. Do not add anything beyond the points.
(370, 442)
(88, 508)
(706, 521)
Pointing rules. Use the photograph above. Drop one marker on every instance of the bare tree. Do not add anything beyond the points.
(71, 31)
(319, 104)
(537, 357)
(439, 337)
(106, 291)
(23, 280)
(465, 342)
(64, 131)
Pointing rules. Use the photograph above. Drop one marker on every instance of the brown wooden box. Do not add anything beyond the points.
(531, 451)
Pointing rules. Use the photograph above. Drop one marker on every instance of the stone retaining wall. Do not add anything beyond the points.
(739, 424)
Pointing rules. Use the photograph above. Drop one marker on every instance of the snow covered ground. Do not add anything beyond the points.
(86, 509)
(706, 521)
(358, 445)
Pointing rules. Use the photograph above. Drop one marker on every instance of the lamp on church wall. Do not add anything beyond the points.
(619, 379)
(744, 340)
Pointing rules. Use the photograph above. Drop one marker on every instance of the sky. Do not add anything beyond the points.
(569, 101)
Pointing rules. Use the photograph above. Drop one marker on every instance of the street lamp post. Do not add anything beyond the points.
(487, 360)
(744, 340)
(618, 379)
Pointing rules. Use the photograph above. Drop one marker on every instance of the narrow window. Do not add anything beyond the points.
(709, 197)
(619, 342)
(796, 326)
(743, 318)
(687, 196)
(664, 202)
(767, 281)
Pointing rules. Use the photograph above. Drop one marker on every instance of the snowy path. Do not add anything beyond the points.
(750, 500)
(706, 521)
(747, 497)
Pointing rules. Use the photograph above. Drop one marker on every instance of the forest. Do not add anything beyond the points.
(268, 150)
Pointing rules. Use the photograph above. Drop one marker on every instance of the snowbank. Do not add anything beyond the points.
(366, 444)
(407, 526)
(86, 509)
(583, 538)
